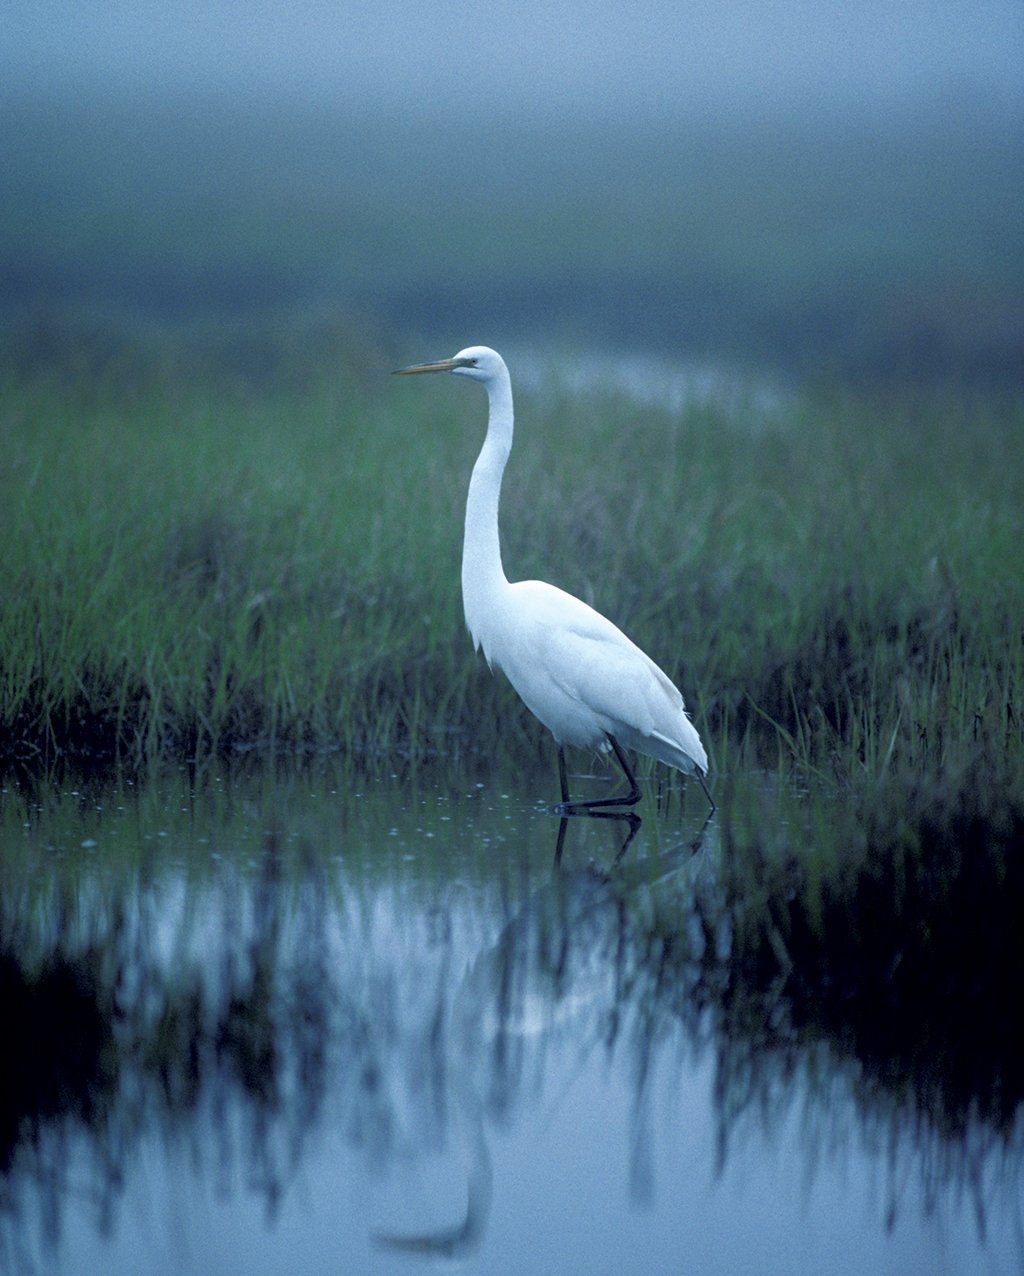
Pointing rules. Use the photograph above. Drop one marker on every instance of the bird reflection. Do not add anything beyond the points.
(461, 1239)
(631, 820)
(555, 964)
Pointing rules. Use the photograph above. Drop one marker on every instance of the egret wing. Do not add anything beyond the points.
(584, 678)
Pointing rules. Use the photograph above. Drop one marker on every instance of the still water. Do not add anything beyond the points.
(307, 1021)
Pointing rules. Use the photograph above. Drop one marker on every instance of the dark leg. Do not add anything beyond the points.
(629, 818)
(561, 776)
(707, 792)
(633, 796)
(628, 799)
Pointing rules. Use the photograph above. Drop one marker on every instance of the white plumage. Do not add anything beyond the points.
(575, 671)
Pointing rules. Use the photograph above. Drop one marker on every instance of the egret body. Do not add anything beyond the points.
(577, 672)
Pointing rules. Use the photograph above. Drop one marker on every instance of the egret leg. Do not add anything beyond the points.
(561, 775)
(707, 792)
(627, 799)
(633, 796)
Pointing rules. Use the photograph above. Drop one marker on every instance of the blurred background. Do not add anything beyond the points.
(797, 184)
(230, 544)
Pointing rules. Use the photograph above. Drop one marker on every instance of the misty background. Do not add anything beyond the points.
(805, 185)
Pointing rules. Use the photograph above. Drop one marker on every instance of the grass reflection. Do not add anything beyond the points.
(289, 965)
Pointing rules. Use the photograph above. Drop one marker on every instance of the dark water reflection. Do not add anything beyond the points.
(309, 1022)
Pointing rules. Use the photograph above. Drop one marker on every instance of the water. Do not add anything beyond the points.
(314, 1022)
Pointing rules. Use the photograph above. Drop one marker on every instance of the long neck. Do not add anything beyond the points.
(483, 578)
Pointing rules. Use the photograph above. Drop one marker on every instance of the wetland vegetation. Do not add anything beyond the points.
(274, 854)
(224, 527)
(194, 565)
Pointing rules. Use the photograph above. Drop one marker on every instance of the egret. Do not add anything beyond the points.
(574, 670)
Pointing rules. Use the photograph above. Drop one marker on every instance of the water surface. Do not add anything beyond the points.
(306, 1021)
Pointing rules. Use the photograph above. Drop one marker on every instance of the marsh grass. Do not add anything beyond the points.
(893, 928)
(258, 548)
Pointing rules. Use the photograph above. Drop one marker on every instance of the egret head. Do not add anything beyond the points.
(479, 362)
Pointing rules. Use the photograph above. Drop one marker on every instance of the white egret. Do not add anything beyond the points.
(577, 672)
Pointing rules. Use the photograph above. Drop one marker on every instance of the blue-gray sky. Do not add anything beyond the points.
(581, 55)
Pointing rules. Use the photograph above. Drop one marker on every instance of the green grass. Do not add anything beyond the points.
(259, 547)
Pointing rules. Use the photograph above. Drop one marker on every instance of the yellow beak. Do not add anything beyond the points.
(442, 365)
